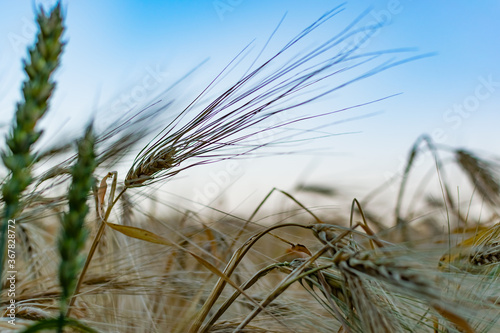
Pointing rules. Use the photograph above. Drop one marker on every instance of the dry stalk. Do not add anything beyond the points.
(297, 274)
(401, 223)
(228, 270)
(208, 327)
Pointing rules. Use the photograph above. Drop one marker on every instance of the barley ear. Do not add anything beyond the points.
(482, 175)
(36, 90)
(73, 233)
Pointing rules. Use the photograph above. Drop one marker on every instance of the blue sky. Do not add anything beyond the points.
(114, 45)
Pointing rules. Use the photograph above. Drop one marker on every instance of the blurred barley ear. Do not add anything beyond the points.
(482, 175)
(73, 233)
(43, 60)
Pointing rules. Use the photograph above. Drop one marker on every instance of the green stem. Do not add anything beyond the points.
(97, 238)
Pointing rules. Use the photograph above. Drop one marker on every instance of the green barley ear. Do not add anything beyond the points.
(74, 234)
(18, 158)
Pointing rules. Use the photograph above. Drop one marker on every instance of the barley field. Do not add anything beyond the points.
(82, 249)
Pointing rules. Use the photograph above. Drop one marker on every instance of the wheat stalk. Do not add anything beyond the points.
(73, 233)
(43, 60)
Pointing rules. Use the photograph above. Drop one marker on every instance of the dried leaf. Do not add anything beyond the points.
(300, 248)
(139, 233)
(101, 193)
(461, 324)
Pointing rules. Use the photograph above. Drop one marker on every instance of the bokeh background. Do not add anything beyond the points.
(116, 46)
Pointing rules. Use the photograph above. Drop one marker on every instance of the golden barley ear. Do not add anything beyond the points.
(151, 165)
(479, 254)
(226, 127)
